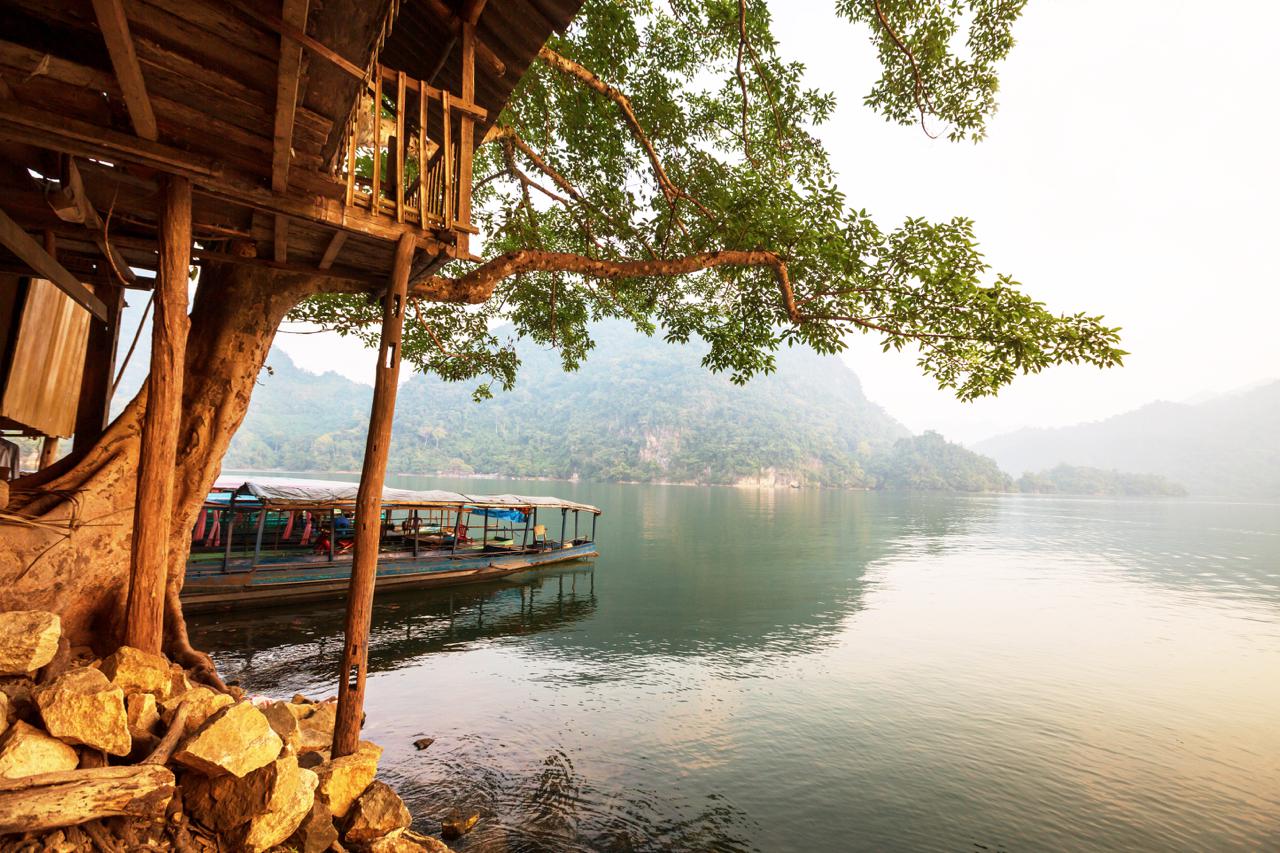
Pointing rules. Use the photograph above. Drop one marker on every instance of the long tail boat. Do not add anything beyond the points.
(273, 540)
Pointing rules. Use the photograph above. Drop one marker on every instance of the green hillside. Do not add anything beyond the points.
(639, 409)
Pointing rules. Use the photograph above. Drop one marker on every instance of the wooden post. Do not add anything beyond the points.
(93, 410)
(152, 509)
(364, 563)
(48, 451)
(466, 140)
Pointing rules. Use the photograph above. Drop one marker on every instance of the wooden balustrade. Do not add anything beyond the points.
(405, 160)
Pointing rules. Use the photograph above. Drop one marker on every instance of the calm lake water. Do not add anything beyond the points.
(809, 671)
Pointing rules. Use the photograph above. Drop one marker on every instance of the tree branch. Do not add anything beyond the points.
(588, 78)
(918, 91)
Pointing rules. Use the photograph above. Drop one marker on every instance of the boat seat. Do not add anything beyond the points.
(539, 534)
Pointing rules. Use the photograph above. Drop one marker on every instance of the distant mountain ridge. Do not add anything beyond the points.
(638, 409)
(1227, 445)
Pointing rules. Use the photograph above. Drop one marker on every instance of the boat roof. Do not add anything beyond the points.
(285, 492)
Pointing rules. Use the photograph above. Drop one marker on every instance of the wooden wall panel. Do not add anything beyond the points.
(42, 388)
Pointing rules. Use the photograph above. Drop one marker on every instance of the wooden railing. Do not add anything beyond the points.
(409, 149)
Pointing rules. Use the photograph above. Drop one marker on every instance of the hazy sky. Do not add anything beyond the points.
(1127, 173)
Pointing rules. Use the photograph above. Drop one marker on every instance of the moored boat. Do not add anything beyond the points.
(271, 540)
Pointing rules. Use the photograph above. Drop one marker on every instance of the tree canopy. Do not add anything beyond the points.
(660, 163)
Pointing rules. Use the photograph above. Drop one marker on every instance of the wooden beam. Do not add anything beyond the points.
(295, 13)
(364, 562)
(285, 28)
(115, 32)
(50, 800)
(466, 140)
(454, 23)
(25, 247)
(48, 451)
(472, 109)
(281, 239)
(331, 251)
(152, 510)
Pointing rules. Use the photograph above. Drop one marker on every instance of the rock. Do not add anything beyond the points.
(379, 811)
(4, 712)
(316, 833)
(458, 824)
(27, 751)
(178, 681)
(406, 842)
(343, 780)
(315, 723)
(299, 699)
(17, 692)
(82, 707)
(204, 702)
(28, 640)
(136, 671)
(284, 723)
(236, 740)
(423, 742)
(142, 715)
(292, 795)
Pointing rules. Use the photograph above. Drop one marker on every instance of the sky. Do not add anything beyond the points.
(1130, 172)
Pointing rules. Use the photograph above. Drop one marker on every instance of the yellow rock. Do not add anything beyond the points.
(136, 671)
(403, 842)
(81, 707)
(343, 780)
(27, 751)
(292, 795)
(379, 811)
(204, 702)
(236, 740)
(315, 723)
(28, 640)
(284, 723)
(140, 708)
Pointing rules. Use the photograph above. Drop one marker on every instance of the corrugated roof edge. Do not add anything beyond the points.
(286, 492)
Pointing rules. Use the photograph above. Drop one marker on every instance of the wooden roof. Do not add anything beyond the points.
(210, 96)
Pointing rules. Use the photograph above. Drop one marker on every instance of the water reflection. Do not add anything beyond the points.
(802, 670)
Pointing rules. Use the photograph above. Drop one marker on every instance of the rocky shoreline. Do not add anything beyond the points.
(127, 753)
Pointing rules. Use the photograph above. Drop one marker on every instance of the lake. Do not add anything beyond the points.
(813, 670)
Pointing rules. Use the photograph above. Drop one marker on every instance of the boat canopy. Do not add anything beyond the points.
(289, 493)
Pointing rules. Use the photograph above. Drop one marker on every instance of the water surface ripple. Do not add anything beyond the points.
(796, 670)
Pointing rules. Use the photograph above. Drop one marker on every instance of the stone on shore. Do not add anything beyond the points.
(403, 842)
(27, 751)
(316, 833)
(136, 671)
(236, 740)
(204, 702)
(315, 723)
(377, 812)
(292, 795)
(140, 709)
(284, 723)
(82, 707)
(343, 780)
(28, 640)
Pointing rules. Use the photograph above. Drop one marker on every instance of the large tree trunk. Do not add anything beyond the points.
(65, 537)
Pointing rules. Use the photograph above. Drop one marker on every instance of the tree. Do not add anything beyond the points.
(658, 163)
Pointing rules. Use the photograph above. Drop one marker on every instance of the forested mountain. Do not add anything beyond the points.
(1078, 480)
(1227, 445)
(929, 462)
(639, 409)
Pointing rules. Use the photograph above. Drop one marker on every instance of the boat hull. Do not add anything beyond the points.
(266, 586)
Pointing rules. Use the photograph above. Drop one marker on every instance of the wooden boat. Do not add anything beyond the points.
(272, 540)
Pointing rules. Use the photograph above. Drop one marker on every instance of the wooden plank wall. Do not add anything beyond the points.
(42, 386)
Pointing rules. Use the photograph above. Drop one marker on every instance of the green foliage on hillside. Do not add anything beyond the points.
(929, 462)
(638, 410)
(1080, 480)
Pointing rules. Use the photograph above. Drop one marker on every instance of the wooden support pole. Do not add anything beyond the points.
(466, 141)
(124, 60)
(368, 532)
(287, 76)
(48, 451)
(375, 180)
(25, 247)
(400, 146)
(331, 251)
(280, 241)
(94, 407)
(152, 510)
